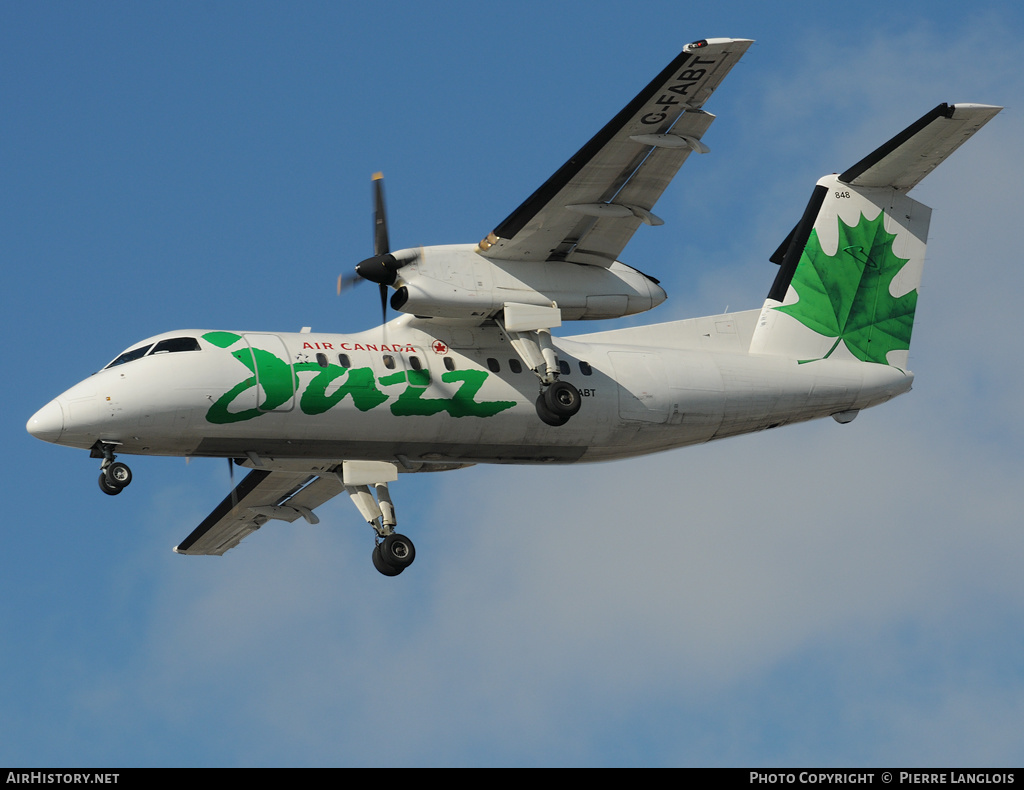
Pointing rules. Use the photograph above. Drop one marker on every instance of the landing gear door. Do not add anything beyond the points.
(275, 376)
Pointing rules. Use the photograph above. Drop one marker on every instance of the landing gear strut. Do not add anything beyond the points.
(114, 475)
(392, 552)
(528, 329)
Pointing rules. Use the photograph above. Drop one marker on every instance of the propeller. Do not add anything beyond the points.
(383, 267)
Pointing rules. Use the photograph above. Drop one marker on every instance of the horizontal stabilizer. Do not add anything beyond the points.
(908, 157)
(849, 271)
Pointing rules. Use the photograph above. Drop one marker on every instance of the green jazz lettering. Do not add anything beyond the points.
(277, 382)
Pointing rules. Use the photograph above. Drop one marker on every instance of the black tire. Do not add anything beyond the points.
(118, 475)
(383, 567)
(563, 399)
(106, 488)
(547, 415)
(397, 551)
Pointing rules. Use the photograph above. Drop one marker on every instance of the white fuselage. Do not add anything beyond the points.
(387, 395)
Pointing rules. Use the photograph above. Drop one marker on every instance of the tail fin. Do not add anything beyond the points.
(850, 270)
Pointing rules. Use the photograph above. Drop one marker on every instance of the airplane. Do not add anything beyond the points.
(471, 373)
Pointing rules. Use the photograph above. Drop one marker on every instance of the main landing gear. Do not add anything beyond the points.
(392, 552)
(528, 329)
(114, 475)
(558, 402)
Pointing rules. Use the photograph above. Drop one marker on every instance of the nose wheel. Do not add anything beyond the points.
(114, 475)
(115, 478)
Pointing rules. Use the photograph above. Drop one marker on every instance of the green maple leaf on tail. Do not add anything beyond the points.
(846, 295)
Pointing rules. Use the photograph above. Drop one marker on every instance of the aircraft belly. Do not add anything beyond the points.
(712, 396)
(764, 392)
(390, 450)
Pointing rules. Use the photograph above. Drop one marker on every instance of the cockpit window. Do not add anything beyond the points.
(129, 356)
(168, 346)
(173, 344)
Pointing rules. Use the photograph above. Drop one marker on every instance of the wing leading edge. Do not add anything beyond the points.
(589, 209)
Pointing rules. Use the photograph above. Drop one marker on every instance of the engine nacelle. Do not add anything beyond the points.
(455, 281)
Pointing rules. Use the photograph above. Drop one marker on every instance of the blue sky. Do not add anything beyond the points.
(824, 595)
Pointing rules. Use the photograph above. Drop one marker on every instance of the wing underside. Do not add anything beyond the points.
(589, 209)
(261, 496)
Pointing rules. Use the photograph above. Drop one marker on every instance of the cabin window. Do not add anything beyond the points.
(129, 356)
(415, 364)
(493, 365)
(515, 366)
(321, 360)
(389, 361)
(344, 361)
(449, 363)
(172, 344)
(563, 367)
(585, 368)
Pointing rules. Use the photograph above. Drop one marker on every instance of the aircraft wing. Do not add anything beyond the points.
(261, 496)
(590, 208)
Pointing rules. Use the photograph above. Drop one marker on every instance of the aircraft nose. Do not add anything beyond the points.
(47, 423)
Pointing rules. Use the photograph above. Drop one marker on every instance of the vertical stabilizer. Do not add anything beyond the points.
(850, 270)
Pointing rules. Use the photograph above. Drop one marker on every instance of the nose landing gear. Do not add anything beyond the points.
(114, 475)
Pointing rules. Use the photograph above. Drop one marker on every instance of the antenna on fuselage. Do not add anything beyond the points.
(231, 476)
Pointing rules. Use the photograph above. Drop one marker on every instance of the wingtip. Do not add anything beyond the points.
(963, 109)
(711, 42)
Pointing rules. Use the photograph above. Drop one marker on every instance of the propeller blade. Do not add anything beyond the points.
(346, 281)
(383, 267)
(381, 245)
